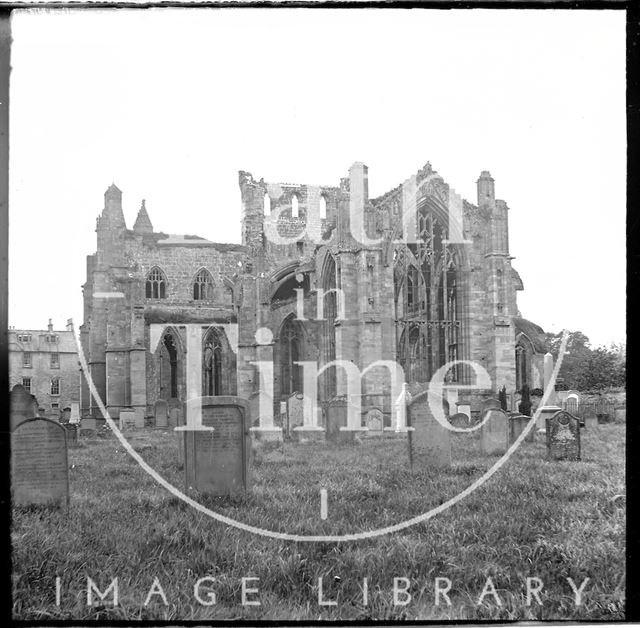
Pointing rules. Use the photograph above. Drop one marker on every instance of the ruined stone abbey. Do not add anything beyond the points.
(418, 276)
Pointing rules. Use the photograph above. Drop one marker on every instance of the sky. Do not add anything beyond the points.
(169, 104)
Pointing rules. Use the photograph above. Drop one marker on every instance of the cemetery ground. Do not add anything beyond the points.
(533, 518)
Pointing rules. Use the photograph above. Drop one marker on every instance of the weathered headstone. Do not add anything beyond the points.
(72, 434)
(563, 437)
(89, 423)
(620, 413)
(66, 415)
(465, 408)
(429, 440)
(589, 416)
(174, 417)
(459, 420)
(218, 462)
(517, 425)
(127, 420)
(75, 413)
(22, 406)
(254, 408)
(337, 416)
(138, 417)
(374, 420)
(489, 404)
(39, 469)
(494, 433)
(572, 402)
(295, 410)
(160, 411)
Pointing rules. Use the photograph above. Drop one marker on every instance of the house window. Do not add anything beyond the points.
(24, 337)
(55, 386)
(51, 338)
(203, 285)
(156, 284)
(55, 360)
(55, 406)
(26, 359)
(26, 382)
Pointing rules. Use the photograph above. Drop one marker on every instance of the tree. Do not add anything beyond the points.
(525, 403)
(586, 368)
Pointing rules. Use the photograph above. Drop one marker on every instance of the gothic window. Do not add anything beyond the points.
(212, 365)
(267, 205)
(156, 284)
(522, 375)
(55, 386)
(323, 208)
(294, 206)
(330, 305)
(426, 275)
(203, 286)
(170, 346)
(291, 352)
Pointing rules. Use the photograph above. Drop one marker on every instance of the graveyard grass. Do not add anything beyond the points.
(533, 518)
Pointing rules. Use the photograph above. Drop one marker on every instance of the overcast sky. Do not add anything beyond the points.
(170, 103)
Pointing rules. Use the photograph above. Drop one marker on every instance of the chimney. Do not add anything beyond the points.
(50, 326)
(69, 324)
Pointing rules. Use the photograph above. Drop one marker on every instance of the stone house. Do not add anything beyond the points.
(45, 362)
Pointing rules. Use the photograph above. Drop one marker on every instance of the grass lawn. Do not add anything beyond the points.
(533, 518)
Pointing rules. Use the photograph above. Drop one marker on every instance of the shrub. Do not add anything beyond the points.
(525, 403)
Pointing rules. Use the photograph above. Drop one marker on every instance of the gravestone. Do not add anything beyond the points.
(337, 414)
(160, 410)
(42, 412)
(494, 433)
(589, 416)
(89, 423)
(39, 468)
(218, 462)
(295, 411)
(127, 420)
(87, 432)
(138, 418)
(75, 413)
(72, 434)
(489, 404)
(459, 420)
(66, 415)
(174, 417)
(429, 440)
(563, 437)
(620, 413)
(374, 420)
(517, 425)
(254, 408)
(22, 406)
(464, 408)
